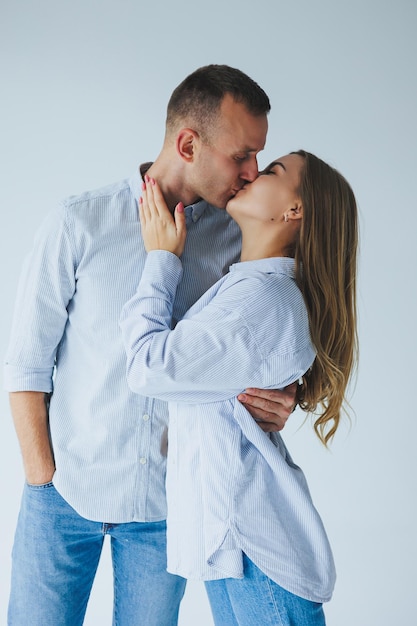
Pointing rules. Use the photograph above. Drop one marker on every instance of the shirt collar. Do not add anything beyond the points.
(196, 210)
(277, 265)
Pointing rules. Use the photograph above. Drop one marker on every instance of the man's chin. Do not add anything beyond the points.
(231, 198)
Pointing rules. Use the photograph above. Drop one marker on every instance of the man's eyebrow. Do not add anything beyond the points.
(248, 149)
(271, 165)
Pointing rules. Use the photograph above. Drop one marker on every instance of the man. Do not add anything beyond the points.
(94, 453)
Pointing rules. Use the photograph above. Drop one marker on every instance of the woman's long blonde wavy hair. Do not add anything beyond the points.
(326, 265)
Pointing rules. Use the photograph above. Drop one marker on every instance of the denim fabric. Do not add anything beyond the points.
(256, 600)
(55, 558)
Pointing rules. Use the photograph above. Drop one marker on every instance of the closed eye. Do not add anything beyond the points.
(271, 166)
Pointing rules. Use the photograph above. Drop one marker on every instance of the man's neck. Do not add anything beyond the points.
(171, 178)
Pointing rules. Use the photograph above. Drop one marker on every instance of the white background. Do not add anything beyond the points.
(84, 89)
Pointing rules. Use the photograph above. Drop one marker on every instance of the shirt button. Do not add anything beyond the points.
(142, 460)
(146, 417)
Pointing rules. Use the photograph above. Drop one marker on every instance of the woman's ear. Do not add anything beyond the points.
(296, 212)
(186, 144)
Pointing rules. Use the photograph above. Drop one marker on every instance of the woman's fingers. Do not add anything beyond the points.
(160, 229)
(158, 200)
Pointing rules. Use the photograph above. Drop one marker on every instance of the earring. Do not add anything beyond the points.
(285, 217)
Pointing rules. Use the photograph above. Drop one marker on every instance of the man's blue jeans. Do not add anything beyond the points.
(256, 600)
(55, 558)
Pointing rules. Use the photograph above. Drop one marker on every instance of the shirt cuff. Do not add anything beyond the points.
(27, 379)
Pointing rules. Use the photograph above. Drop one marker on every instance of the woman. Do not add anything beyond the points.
(240, 515)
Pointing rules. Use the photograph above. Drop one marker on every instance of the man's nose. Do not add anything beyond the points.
(250, 171)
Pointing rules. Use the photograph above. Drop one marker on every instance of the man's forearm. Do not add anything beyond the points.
(270, 407)
(30, 415)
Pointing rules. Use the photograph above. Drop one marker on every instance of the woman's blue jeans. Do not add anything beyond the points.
(256, 600)
(55, 558)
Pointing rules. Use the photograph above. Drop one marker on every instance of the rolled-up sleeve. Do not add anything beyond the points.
(46, 286)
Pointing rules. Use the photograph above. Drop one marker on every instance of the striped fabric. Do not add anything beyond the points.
(86, 262)
(231, 488)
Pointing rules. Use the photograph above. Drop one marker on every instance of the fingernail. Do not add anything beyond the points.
(146, 178)
(180, 207)
(143, 186)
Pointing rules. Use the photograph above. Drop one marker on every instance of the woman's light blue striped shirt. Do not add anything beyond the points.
(231, 487)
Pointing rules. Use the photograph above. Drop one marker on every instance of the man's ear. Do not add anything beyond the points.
(187, 140)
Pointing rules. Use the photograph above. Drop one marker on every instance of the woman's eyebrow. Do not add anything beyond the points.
(271, 165)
